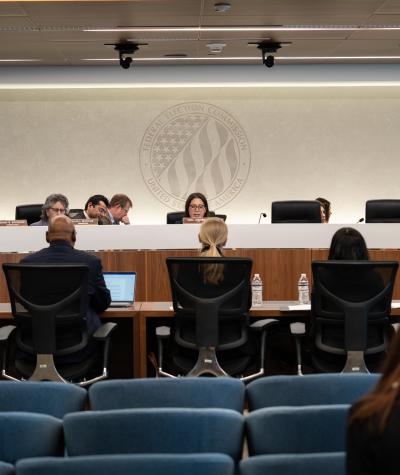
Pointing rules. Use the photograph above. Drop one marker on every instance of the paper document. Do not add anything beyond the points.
(295, 307)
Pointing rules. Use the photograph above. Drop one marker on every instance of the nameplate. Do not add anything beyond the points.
(192, 220)
(84, 222)
(13, 222)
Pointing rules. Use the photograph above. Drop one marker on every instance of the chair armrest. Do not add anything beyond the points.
(163, 332)
(6, 331)
(104, 331)
(298, 329)
(261, 325)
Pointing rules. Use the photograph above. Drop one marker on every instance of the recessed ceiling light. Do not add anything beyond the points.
(222, 7)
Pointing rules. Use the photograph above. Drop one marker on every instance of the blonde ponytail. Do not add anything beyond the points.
(213, 235)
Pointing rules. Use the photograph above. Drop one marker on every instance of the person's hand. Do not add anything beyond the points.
(125, 220)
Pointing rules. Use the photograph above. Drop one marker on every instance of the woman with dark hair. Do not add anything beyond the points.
(325, 209)
(196, 206)
(373, 436)
(348, 244)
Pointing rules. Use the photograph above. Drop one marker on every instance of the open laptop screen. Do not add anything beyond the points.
(121, 286)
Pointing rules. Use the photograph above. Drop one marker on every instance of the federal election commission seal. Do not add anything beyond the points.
(195, 147)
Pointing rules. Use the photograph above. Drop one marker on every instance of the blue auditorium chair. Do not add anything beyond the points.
(154, 464)
(154, 431)
(156, 392)
(24, 434)
(333, 463)
(50, 398)
(300, 429)
(312, 389)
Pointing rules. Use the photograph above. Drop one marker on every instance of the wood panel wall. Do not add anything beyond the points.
(279, 269)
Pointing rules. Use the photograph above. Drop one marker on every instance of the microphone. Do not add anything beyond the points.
(361, 220)
(262, 215)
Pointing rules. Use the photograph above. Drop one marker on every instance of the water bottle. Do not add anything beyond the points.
(304, 293)
(256, 291)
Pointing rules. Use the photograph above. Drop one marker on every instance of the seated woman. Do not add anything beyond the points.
(208, 280)
(373, 435)
(326, 210)
(357, 284)
(196, 206)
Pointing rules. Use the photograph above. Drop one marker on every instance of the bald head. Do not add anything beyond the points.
(61, 228)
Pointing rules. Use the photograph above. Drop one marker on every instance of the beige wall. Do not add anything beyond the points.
(341, 143)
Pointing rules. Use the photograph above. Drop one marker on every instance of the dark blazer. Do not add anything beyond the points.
(64, 253)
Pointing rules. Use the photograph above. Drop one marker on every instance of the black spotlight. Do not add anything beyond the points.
(125, 63)
(125, 49)
(268, 47)
(269, 61)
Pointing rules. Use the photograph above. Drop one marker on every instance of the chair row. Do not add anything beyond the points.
(196, 464)
(169, 431)
(58, 399)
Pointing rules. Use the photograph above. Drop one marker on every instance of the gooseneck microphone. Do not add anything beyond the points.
(262, 215)
(361, 220)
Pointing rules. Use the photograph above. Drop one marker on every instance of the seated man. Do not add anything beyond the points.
(54, 205)
(119, 208)
(61, 236)
(95, 208)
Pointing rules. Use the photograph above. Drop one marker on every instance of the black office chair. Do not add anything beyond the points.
(382, 211)
(211, 320)
(29, 212)
(176, 217)
(351, 305)
(296, 212)
(49, 340)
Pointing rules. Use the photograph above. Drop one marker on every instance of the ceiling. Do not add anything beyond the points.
(53, 33)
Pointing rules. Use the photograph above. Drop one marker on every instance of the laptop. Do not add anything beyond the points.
(122, 288)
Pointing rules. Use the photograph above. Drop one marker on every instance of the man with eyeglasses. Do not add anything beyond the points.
(55, 204)
(119, 208)
(95, 208)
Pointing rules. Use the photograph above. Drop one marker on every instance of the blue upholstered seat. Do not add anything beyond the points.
(304, 429)
(154, 464)
(50, 398)
(183, 392)
(24, 434)
(295, 464)
(6, 468)
(154, 431)
(312, 389)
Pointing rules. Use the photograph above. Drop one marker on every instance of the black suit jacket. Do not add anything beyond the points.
(62, 252)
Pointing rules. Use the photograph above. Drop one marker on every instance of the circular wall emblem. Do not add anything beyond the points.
(194, 147)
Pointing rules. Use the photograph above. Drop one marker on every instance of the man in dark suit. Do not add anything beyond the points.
(61, 236)
(96, 207)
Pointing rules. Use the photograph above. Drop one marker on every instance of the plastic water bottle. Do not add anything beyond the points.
(256, 291)
(304, 293)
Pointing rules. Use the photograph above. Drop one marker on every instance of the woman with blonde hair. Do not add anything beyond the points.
(213, 236)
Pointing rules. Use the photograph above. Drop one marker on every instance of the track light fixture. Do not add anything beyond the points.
(124, 49)
(267, 48)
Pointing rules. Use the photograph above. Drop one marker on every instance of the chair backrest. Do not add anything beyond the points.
(382, 211)
(167, 431)
(181, 392)
(305, 429)
(311, 389)
(203, 309)
(296, 212)
(43, 397)
(29, 212)
(351, 305)
(24, 435)
(49, 304)
(333, 463)
(154, 464)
